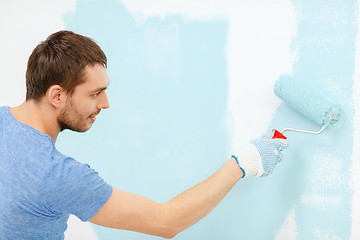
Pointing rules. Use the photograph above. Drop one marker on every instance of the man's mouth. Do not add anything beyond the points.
(93, 117)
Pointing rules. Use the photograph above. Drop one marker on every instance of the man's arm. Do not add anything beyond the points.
(132, 212)
(136, 213)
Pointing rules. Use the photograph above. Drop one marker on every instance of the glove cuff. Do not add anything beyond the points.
(243, 171)
(249, 161)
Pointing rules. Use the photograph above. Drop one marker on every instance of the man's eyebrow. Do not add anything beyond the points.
(100, 88)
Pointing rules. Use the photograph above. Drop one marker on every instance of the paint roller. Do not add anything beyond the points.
(310, 102)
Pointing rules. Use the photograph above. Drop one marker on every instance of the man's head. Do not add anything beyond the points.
(79, 110)
(60, 60)
(67, 72)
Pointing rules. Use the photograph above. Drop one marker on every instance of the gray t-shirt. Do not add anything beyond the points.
(39, 186)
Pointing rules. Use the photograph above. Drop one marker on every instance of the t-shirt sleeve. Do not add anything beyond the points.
(79, 190)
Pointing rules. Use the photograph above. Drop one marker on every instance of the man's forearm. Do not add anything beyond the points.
(192, 205)
(137, 213)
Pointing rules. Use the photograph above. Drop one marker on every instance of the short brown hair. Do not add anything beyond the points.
(60, 60)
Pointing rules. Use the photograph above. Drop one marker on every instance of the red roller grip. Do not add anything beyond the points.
(278, 134)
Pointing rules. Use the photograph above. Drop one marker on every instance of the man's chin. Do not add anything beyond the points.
(74, 129)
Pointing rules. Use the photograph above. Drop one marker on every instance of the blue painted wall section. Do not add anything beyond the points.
(166, 127)
(318, 168)
(326, 42)
(315, 178)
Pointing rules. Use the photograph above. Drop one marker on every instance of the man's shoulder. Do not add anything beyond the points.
(61, 158)
(3, 110)
(58, 155)
(66, 162)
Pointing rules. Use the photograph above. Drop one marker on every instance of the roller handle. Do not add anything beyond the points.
(278, 134)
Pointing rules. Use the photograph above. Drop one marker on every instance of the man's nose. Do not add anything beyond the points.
(103, 101)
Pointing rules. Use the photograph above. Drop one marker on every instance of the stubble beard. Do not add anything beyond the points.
(71, 119)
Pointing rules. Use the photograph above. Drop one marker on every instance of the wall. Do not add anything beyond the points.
(191, 81)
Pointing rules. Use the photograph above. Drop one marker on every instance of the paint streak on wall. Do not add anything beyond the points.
(318, 171)
(166, 128)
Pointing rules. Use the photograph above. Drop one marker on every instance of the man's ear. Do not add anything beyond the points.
(56, 95)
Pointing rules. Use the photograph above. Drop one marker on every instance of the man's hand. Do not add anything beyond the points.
(260, 157)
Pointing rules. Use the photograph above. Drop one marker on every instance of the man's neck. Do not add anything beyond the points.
(37, 116)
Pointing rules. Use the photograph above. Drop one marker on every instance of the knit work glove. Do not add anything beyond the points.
(260, 157)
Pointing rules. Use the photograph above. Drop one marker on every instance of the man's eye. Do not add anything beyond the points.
(95, 95)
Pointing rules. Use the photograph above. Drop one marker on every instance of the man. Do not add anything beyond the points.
(66, 81)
